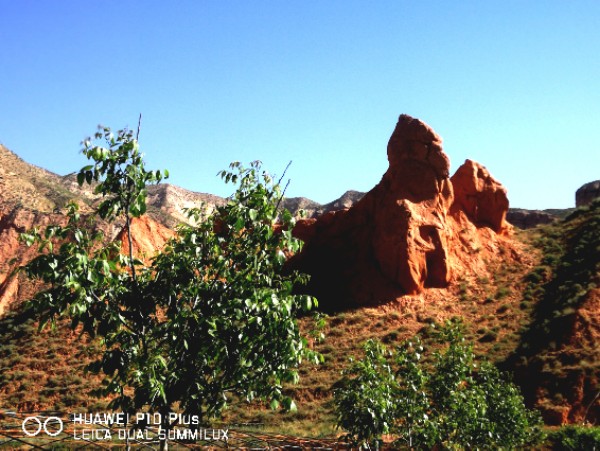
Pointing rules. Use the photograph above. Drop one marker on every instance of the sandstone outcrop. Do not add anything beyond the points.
(15, 220)
(148, 236)
(480, 196)
(587, 193)
(401, 236)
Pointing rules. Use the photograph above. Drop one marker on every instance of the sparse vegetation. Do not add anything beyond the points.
(569, 270)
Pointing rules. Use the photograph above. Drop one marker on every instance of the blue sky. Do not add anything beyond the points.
(512, 84)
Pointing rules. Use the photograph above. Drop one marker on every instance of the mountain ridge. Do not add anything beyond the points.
(42, 190)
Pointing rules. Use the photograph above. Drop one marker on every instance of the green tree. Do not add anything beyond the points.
(213, 314)
(365, 396)
(449, 403)
(412, 413)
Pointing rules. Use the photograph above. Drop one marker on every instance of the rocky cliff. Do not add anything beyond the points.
(587, 193)
(417, 228)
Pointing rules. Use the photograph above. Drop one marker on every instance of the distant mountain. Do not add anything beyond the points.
(528, 219)
(39, 190)
(168, 203)
(296, 204)
(32, 187)
(313, 209)
(519, 217)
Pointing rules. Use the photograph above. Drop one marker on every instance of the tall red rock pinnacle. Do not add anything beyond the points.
(394, 241)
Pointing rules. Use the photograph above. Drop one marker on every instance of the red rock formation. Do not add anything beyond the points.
(15, 220)
(480, 196)
(395, 240)
(147, 236)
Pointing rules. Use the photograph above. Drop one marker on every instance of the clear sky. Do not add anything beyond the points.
(512, 84)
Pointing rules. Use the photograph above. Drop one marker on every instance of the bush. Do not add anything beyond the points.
(451, 404)
(575, 438)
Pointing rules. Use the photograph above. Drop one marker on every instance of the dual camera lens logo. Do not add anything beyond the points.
(52, 426)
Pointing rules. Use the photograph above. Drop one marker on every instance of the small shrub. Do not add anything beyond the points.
(391, 337)
(463, 291)
(574, 437)
(394, 315)
(503, 308)
(525, 305)
(488, 336)
(365, 397)
(502, 292)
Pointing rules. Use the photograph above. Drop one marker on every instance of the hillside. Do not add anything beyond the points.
(31, 187)
(558, 359)
(529, 298)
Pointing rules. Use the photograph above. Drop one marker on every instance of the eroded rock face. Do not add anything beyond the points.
(148, 236)
(480, 196)
(392, 241)
(587, 193)
(409, 208)
(15, 220)
(395, 240)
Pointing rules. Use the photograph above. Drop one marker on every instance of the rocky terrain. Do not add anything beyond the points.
(421, 246)
(587, 193)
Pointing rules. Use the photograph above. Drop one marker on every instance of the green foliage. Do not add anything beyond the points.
(453, 404)
(213, 314)
(366, 395)
(121, 178)
(118, 172)
(574, 438)
(412, 413)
